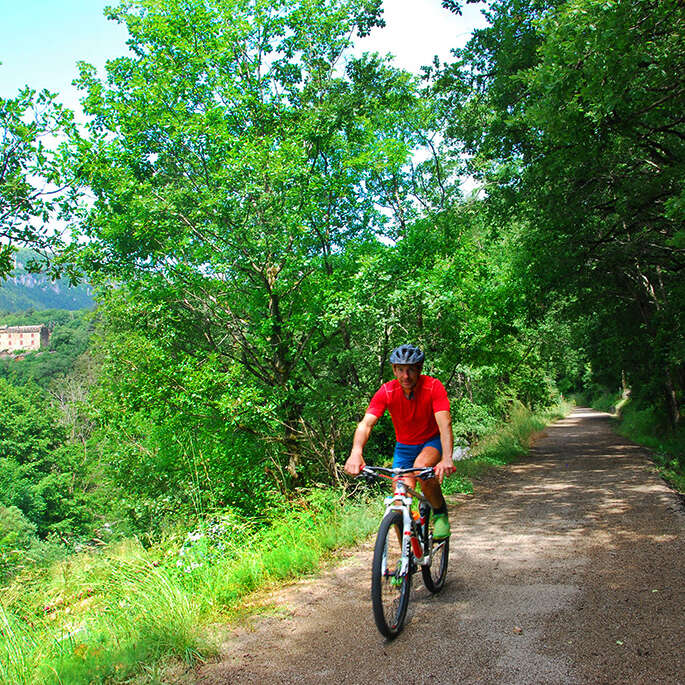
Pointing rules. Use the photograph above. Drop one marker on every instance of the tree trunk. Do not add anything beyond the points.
(672, 403)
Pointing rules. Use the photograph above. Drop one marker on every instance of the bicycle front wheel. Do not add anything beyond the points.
(435, 573)
(389, 587)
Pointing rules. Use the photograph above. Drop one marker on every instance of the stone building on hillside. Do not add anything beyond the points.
(15, 338)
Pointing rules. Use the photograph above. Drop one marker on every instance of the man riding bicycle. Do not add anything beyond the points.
(420, 412)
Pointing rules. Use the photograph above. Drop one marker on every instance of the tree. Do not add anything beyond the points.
(230, 157)
(580, 133)
(29, 437)
(35, 184)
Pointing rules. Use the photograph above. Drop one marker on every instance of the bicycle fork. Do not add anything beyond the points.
(411, 544)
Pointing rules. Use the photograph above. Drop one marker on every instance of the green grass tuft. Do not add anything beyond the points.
(104, 617)
(95, 618)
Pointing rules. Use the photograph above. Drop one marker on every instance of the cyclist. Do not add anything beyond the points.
(420, 412)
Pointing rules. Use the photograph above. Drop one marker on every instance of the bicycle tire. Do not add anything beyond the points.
(435, 573)
(389, 592)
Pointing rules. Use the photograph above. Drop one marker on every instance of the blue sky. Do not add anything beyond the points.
(41, 40)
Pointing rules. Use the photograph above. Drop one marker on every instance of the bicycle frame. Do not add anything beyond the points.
(401, 500)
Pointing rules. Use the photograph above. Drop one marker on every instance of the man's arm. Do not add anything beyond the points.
(445, 466)
(355, 462)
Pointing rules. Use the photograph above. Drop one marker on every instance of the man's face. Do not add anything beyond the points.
(407, 375)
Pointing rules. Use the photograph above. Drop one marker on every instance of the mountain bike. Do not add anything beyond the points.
(404, 543)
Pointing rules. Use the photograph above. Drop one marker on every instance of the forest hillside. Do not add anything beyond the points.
(23, 290)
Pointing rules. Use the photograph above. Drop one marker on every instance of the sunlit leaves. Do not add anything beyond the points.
(579, 132)
(36, 186)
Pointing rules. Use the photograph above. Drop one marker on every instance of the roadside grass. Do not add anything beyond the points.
(95, 617)
(121, 613)
(105, 616)
(642, 425)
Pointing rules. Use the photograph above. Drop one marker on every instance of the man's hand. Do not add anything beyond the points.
(354, 464)
(445, 467)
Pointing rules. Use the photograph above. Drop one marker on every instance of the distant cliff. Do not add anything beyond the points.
(24, 290)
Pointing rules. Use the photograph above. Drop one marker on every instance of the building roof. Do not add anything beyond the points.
(22, 329)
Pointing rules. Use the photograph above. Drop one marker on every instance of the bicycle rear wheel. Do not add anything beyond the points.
(389, 589)
(434, 575)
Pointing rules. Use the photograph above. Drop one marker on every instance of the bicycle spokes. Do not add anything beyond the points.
(390, 584)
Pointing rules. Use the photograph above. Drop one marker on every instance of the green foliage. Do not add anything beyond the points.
(17, 534)
(102, 616)
(28, 431)
(471, 421)
(38, 473)
(34, 174)
(180, 436)
(227, 208)
(20, 548)
(266, 226)
(45, 469)
(603, 399)
(29, 437)
(511, 440)
(573, 114)
(188, 430)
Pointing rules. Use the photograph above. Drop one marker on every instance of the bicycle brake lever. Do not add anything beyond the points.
(368, 476)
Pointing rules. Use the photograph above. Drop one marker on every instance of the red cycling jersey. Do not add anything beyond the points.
(414, 418)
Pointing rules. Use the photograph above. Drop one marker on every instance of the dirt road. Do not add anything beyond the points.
(567, 567)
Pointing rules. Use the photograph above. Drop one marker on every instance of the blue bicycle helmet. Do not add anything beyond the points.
(407, 354)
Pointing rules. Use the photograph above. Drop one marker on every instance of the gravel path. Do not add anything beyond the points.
(565, 568)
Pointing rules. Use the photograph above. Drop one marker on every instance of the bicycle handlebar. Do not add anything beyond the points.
(371, 472)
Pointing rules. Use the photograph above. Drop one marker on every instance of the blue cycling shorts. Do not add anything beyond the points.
(405, 455)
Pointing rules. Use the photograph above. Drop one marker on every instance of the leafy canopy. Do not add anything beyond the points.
(36, 184)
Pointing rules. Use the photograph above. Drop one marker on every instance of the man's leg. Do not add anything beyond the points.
(430, 456)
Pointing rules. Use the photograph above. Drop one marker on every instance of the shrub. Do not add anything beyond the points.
(471, 421)
(17, 534)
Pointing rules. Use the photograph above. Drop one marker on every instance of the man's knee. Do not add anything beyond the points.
(428, 456)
